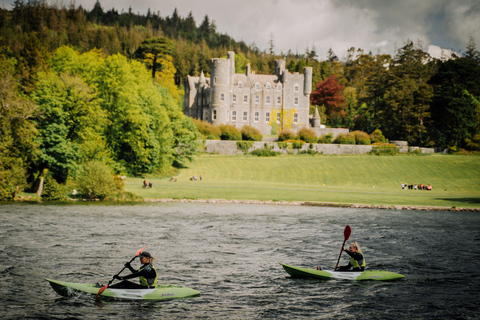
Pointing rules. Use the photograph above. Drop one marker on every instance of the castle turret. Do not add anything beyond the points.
(307, 84)
(316, 119)
(220, 84)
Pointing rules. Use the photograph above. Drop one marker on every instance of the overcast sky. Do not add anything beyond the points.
(372, 25)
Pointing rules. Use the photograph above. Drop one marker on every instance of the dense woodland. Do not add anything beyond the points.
(76, 91)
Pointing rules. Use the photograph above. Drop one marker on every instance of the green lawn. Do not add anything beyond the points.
(364, 179)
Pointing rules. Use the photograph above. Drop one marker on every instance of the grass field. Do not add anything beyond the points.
(364, 179)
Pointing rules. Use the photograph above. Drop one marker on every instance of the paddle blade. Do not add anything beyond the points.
(101, 291)
(140, 251)
(347, 232)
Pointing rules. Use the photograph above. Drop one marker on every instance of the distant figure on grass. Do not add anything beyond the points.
(150, 185)
(357, 261)
(144, 184)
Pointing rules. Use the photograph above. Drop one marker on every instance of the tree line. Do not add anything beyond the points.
(74, 84)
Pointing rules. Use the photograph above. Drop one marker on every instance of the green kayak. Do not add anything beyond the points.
(297, 272)
(160, 292)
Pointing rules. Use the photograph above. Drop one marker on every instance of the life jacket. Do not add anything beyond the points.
(354, 263)
(150, 282)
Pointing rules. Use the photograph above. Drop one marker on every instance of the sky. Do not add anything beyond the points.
(377, 26)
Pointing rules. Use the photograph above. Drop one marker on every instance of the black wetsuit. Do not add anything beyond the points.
(358, 257)
(146, 271)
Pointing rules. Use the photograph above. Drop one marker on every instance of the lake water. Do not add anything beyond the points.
(230, 253)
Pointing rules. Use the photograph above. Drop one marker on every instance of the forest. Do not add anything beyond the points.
(93, 90)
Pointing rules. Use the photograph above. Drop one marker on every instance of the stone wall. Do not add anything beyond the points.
(230, 147)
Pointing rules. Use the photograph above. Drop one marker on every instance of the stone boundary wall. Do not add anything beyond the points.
(230, 147)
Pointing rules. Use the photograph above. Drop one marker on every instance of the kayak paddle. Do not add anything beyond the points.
(346, 235)
(110, 282)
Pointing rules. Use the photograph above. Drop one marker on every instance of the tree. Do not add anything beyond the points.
(156, 49)
(329, 94)
(96, 181)
(455, 111)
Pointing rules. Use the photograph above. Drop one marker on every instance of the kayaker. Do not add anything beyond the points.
(357, 260)
(146, 274)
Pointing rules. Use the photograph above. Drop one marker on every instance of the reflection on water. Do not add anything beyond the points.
(231, 252)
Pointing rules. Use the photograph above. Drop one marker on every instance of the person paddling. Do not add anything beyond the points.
(357, 260)
(146, 274)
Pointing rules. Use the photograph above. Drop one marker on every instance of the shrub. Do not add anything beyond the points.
(282, 145)
(384, 149)
(229, 132)
(348, 138)
(298, 144)
(326, 138)
(307, 135)
(97, 181)
(361, 137)
(309, 152)
(52, 190)
(264, 152)
(286, 134)
(377, 136)
(251, 134)
(208, 130)
(244, 145)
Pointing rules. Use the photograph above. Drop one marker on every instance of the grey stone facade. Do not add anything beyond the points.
(260, 101)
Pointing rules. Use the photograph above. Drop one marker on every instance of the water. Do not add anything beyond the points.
(231, 252)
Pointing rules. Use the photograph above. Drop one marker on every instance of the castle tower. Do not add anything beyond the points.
(307, 84)
(221, 81)
(280, 69)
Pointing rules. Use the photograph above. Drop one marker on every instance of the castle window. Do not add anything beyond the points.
(234, 115)
(257, 86)
(257, 99)
(295, 118)
(214, 115)
(234, 98)
(279, 87)
(296, 100)
(256, 116)
(245, 114)
(279, 100)
(268, 86)
(278, 117)
(222, 97)
(267, 117)
(296, 88)
(240, 84)
(245, 98)
(267, 99)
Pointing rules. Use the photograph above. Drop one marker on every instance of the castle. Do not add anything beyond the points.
(268, 103)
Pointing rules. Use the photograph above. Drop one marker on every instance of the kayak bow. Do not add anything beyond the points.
(298, 272)
(160, 292)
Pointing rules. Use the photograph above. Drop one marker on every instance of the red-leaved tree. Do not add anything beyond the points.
(329, 94)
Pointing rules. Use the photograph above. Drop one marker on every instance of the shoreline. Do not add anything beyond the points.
(314, 204)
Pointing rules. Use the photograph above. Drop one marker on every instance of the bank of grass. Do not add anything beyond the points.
(363, 179)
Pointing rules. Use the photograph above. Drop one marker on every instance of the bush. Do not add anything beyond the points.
(244, 145)
(282, 145)
(307, 135)
(229, 132)
(264, 152)
(97, 181)
(377, 136)
(348, 138)
(309, 152)
(298, 144)
(208, 130)
(251, 134)
(326, 138)
(285, 135)
(384, 149)
(361, 137)
(52, 190)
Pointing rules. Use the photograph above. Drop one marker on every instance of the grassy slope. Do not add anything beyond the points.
(339, 179)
